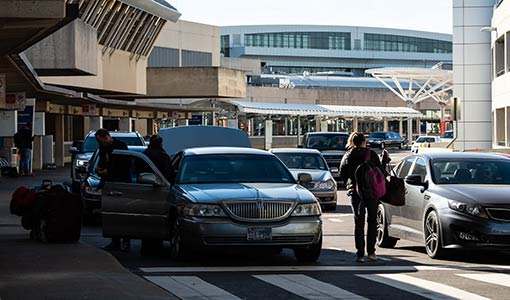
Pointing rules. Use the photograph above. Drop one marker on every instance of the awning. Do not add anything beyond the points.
(264, 108)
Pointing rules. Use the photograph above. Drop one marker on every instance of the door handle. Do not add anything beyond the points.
(115, 194)
(426, 197)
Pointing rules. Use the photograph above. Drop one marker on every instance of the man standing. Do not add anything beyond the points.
(159, 157)
(105, 168)
(23, 141)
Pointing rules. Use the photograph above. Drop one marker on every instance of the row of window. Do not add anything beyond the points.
(342, 41)
(302, 40)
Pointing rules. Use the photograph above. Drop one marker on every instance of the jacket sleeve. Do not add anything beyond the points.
(344, 167)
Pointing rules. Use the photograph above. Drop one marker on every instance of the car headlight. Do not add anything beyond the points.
(467, 208)
(204, 210)
(81, 162)
(93, 191)
(326, 185)
(308, 209)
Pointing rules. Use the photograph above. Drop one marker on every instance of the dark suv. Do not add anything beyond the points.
(385, 139)
(330, 144)
(82, 155)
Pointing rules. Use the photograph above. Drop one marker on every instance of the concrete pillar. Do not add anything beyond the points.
(355, 124)
(59, 140)
(37, 161)
(317, 124)
(299, 130)
(95, 123)
(150, 127)
(286, 126)
(125, 124)
(268, 134)
(401, 127)
(410, 129)
(385, 124)
(418, 126)
(86, 125)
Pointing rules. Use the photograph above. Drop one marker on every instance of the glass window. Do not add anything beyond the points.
(471, 171)
(420, 169)
(128, 168)
(91, 145)
(404, 168)
(302, 161)
(394, 43)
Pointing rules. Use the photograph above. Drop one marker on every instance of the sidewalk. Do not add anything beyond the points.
(33, 270)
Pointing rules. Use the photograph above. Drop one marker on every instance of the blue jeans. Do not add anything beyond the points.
(24, 161)
(361, 209)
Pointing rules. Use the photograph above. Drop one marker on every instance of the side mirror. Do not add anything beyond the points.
(73, 150)
(416, 180)
(304, 178)
(148, 178)
(333, 170)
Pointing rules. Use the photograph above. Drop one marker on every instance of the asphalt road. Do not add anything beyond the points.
(405, 272)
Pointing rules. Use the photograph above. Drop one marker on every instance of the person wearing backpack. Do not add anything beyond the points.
(362, 164)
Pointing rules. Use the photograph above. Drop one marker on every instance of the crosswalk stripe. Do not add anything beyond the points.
(308, 287)
(421, 287)
(191, 287)
(499, 279)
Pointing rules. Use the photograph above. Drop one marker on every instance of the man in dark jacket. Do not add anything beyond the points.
(108, 170)
(159, 157)
(23, 141)
(350, 162)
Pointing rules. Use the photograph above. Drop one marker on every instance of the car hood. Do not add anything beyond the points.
(84, 156)
(477, 193)
(317, 175)
(217, 192)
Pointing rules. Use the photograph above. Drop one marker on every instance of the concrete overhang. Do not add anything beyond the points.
(156, 8)
(195, 82)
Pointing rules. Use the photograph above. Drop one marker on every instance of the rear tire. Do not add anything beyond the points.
(383, 239)
(309, 253)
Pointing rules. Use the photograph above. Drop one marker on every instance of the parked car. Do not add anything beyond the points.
(447, 136)
(90, 191)
(385, 139)
(422, 141)
(454, 200)
(323, 185)
(83, 154)
(332, 146)
(221, 196)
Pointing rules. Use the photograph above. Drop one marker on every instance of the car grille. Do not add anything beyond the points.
(259, 210)
(498, 240)
(499, 214)
(333, 160)
(242, 240)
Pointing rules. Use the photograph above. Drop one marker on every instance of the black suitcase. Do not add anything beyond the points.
(57, 216)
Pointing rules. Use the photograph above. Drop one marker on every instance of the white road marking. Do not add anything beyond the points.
(499, 279)
(421, 287)
(334, 249)
(319, 268)
(191, 287)
(308, 287)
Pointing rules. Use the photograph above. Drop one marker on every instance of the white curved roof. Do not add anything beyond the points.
(264, 108)
(437, 74)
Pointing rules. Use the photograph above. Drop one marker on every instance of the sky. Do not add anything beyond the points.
(424, 15)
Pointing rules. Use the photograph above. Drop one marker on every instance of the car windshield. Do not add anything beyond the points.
(447, 135)
(232, 168)
(302, 161)
(327, 141)
(376, 135)
(425, 140)
(471, 171)
(91, 145)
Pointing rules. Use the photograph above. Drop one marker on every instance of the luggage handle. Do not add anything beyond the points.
(115, 194)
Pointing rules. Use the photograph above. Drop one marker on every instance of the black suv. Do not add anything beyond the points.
(385, 139)
(82, 155)
(331, 145)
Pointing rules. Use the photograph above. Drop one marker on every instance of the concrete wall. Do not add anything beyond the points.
(472, 72)
(185, 35)
(116, 73)
(32, 9)
(195, 83)
(249, 65)
(72, 50)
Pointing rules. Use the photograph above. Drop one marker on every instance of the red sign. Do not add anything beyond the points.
(443, 127)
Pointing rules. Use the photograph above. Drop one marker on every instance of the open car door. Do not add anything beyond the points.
(135, 198)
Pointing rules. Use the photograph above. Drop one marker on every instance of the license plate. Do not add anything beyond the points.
(259, 234)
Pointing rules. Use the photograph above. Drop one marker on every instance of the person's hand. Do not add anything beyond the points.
(101, 171)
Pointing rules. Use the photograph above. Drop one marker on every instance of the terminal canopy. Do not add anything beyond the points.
(416, 84)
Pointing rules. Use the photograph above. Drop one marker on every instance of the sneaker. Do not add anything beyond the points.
(372, 257)
(112, 246)
(125, 245)
(360, 259)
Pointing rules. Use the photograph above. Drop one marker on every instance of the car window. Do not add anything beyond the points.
(232, 168)
(420, 168)
(91, 145)
(405, 167)
(127, 168)
(302, 161)
(327, 141)
(376, 135)
(471, 171)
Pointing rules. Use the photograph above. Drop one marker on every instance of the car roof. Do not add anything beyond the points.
(118, 133)
(465, 155)
(294, 150)
(224, 150)
(328, 133)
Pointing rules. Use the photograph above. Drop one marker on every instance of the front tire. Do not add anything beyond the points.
(309, 253)
(178, 250)
(383, 239)
(433, 238)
